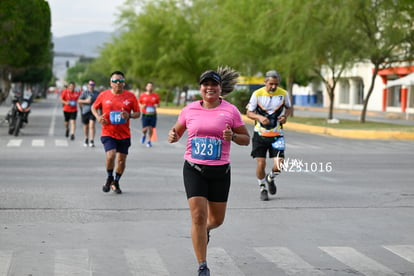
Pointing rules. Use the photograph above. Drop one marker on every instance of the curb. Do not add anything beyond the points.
(351, 133)
(343, 133)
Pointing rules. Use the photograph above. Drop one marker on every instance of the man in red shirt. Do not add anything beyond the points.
(116, 106)
(69, 99)
(148, 101)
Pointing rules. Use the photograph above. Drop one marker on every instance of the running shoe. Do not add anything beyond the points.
(271, 184)
(143, 139)
(203, 271)
(72, 137)
(67, 132)
(115, 187)
(91, 144)
(149, 144)
(86, 143)
(263, 195)
(107, 186)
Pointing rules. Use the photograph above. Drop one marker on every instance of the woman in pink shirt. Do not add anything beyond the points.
(212, 124)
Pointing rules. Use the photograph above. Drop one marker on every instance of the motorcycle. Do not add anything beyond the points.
(19, 113)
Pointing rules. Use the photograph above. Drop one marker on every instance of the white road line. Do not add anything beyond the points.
(70, 262)
(5, 261)
(292, 146)
(288, 261)
(404, 251)
(38, 143)
(358, 261)
(145, 262)
(61, 143)
(53, 122)
(220, 263)
(14, 143)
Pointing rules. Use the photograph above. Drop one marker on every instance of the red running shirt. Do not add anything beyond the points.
(72, 98)
(149, 101)
(111, 104)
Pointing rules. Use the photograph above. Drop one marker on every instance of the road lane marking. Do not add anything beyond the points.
(14, 143)
(5, 261)
(358, 261)
(53, 122)
(61, 143)
(289, 262)
(292, 146)
(404, 251)
(221, 264)
(145, 262)
(38, 143)
(72, 262)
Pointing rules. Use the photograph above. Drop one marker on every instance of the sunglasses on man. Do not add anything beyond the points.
(118, 80)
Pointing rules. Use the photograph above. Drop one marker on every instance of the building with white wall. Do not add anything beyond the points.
(353, 86)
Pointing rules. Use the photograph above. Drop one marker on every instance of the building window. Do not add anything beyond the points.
(411, 97)
(344, 92)
(359, 99)
(394, 96)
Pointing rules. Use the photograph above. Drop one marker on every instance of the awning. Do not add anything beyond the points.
(406, 81)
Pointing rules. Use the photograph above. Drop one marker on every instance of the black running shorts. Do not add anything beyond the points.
(88, 116)
(261, 145)
(69, 115)
(214, 189)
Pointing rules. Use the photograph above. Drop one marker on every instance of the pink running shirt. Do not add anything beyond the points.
(204, 123)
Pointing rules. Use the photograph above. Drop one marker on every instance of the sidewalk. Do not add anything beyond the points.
(371, 116)
(339, 114)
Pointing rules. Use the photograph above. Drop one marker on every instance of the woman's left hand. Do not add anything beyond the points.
(228, 133)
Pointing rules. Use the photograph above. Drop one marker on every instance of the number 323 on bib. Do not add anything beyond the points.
(206, 148)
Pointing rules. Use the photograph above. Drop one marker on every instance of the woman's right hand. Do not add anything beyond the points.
(172, 136)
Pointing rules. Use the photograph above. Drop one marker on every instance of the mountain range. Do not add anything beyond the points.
(84, 44)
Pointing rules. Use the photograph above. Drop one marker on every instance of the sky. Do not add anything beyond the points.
(81, 16)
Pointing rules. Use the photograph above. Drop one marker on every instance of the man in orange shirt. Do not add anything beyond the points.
(149, 102)
(116, 107)
(69, 99)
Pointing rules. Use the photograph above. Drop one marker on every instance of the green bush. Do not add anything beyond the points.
(166, 95)
(240, 98)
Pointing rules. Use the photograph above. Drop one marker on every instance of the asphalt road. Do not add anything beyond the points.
(343, 207)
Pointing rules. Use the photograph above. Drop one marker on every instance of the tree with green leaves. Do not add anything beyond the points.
(172, 41)
(313, 39)
(25, 42)
(159, 43)
(385, 34)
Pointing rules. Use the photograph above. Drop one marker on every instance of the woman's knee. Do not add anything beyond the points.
(214, 222)
(199, 217)
(217, 212)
